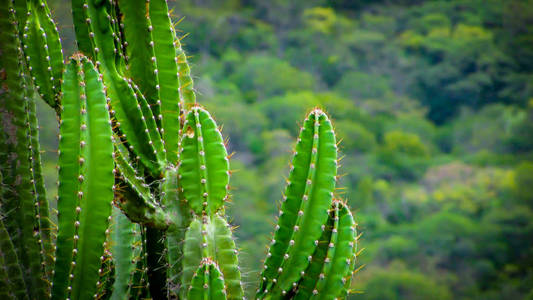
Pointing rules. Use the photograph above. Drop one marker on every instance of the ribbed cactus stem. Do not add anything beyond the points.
(207, 283)
(43, 51)
(187, 93)
(166, 62)
(305, 206)
(133, 195)
(210, 238)
(204, 167)
(86, 182)
(341, 249)
(123, 252)
(41, 202)
(18, 190)
(179, 212)
(132, 115)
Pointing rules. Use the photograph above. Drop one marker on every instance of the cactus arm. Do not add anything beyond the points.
(139, 53)
(126, 104)
(187, 93)
(130, 175)
(167, 74)
(133, 196)
(69, 185)
(204, 167)
(20, 10)
(352, 269)
(155, 137)
(97, 186)
(123, 253)
(192, 253)
(18, 201)
(42, 214)
(331, 252)
(118, 37)
(336, 271)
(211, 239)
(53, 42)
(180, 214)
(82, 28)
(207, 283)
(225, 254)
(306, 287)
(11, 280)
(321, 187)
(43, 52)
(132, 123)
(199, 279)
(305, 207)
(86, 181)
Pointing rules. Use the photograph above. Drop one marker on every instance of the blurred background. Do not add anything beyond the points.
(432, 102)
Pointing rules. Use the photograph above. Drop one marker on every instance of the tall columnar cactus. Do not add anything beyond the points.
(143, 171)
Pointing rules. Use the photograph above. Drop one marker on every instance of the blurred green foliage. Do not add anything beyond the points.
(432, 102)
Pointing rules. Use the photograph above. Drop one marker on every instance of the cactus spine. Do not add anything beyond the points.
(143, 171)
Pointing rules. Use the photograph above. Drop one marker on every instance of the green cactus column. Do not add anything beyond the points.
(204, 178)
(86, 182)
(20, 187)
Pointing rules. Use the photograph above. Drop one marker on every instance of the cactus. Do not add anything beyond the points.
(143, 171)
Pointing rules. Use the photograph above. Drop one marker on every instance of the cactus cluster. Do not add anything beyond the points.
(143, 171)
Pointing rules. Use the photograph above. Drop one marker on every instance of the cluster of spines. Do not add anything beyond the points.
(86, 182)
